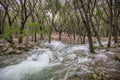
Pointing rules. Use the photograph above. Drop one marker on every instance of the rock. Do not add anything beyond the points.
(2, 45)
(94, 76)
(12, 45)
(103, 74)
(107, 76)
(19, 47)
(94, 41)
(22, 47)
(114, 75)
(26, 49)
(91, 56)
(117, 45)
(5, 49)
(117, 56)
(81, 54)
(80, 77)
(18, 51)
(99, 78)
(25, 43)
(29, 46)
(10, 51)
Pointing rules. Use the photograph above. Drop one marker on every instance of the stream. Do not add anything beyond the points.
(57, 61)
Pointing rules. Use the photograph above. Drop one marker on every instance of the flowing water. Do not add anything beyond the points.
(56, 61)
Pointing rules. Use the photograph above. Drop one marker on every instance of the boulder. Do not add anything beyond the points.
(117, 56)
(5, 49)
(99, 75)
(10, 51)
(19, 47)
(22, 47)
(117, 45)
(80, 53)
(18, 51)
(1, 45)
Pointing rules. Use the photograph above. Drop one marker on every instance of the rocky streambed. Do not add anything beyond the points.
(58, 61)
(14, 53)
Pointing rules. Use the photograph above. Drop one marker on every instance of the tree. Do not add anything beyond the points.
(8, 10)
(86, 9)
(2, 20)
(27, 7)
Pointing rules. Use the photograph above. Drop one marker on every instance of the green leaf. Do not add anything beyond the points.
(34, 24)
(9, 30)
(99, 13)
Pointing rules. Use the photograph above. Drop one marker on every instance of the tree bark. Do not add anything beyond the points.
(60, 35)
(111, 24)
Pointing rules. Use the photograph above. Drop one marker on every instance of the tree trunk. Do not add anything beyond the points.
(116, 23)
(35, 36)
(74, 35)
(83, 41)
(90, 42)
(49, 37)
(20, 39)
(96, 34)
(110, 36)
(60, 35)
(111, 25)
(115, 33)
(21, 32)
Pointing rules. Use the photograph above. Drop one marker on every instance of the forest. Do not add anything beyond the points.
(59, 39)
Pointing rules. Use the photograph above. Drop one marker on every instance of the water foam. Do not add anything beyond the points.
(29, 66)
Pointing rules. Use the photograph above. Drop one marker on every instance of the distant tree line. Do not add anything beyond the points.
(81, 18)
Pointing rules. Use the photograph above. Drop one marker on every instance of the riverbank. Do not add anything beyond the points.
(11, 54)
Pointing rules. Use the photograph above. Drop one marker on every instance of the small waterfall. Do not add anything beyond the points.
(45, 63)
(33, 64)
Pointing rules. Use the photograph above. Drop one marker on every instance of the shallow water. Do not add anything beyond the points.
(56, 61)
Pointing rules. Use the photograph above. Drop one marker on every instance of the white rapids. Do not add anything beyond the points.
(33, 64)
(53, 62)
